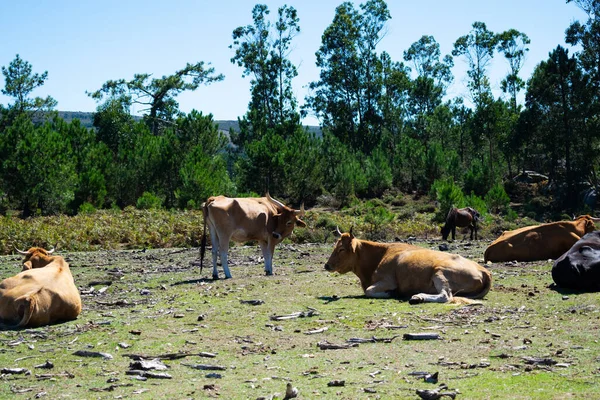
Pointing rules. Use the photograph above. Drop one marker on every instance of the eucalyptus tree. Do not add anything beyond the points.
(429, 86)
(513, 44)
(347, 97)
(157, 95)
(263, 50)
(477, 47)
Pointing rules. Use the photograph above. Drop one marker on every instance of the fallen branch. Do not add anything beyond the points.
(421, 336)
(206, 367)
(538, 361)
(111, 387)
(15, 371)
(332, 346)
(65, 374)
(169, 356)
(372, 340)
(301, 314)
(315, 331)
(149, 374)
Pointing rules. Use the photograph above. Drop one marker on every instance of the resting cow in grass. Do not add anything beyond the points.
(539, 242)
(263, 219)
(579, 268)
(387, 269)
(462, 218)
(43, 293)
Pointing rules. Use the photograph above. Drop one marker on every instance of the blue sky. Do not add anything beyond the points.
(82, 44)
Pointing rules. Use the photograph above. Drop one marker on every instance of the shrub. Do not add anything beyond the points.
(448, 195)
(496, 199)
(148, 201)
(86, 208)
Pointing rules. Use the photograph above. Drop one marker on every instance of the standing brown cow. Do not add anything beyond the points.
(263, 219)
(461, 217)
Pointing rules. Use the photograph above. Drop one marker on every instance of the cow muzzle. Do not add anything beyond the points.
(277, 235)
(327, 267)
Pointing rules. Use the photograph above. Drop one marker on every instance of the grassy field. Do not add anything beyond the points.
(526, 341)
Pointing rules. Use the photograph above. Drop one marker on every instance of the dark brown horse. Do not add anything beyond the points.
(461, 217)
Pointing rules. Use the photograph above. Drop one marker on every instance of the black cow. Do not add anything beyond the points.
(461, 217)
(579, 267)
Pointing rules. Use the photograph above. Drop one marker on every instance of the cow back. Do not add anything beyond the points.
(579, 267)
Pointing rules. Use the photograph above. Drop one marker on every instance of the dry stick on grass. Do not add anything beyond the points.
(169, 356)
(372, 340)
(332, 346)
(206, 367)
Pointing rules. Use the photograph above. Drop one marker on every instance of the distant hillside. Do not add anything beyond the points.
(87, 120)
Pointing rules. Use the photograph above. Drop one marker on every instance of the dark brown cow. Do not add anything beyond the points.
(43, 293)
(462, 218)
(539, 242)
(407, 270)
(263, 219)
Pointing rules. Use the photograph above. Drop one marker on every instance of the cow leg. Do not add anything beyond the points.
(214, 239)
(471, 228)
(267, 251)
(381, 289)
(224, 249)
(453, 232)
(441, 286)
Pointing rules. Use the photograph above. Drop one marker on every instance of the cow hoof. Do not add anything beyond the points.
(415, 300)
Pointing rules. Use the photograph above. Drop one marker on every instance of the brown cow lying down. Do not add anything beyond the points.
(579, 268)
(407, 270)
(43, 293)
(539, 242)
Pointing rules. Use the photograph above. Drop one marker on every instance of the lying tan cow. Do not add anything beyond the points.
(263, 219)
(406, 270)
(43, 293)
(539, 242)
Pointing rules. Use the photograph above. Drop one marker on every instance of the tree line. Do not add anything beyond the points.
(387, 125)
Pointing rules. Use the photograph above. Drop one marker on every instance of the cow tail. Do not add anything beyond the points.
(468, 299)
(26, 306)
(203, 241)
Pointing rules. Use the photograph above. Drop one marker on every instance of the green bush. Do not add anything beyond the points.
(148, 201)
(496, 199)
(448, 194)
(86, 208)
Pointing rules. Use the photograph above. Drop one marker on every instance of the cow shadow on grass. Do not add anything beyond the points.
(568, 291)
(393, 296)
(194, 281)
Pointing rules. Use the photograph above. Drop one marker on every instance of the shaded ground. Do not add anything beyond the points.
(248, 336)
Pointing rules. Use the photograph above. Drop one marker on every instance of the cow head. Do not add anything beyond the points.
(36, 257)
(344, 257)
(283, 222)
(589, 221)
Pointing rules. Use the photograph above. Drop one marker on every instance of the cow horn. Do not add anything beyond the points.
(301, 211)
(337, 231)
(20, 251)
(51, 250)
(595, 219)
(272, 200)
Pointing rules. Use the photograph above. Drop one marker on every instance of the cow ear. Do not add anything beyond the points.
(27, 265)
(300, 223)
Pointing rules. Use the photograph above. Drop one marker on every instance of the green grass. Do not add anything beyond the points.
(156, 296)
